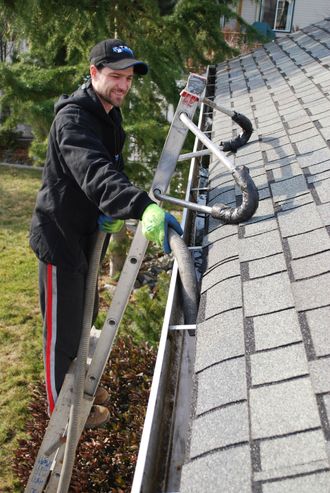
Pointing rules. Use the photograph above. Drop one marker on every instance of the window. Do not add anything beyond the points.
(277, 13)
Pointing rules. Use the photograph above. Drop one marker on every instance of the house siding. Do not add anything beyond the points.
(250, 11)
(307, 12)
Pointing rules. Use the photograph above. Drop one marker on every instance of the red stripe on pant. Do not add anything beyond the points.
(49, 322)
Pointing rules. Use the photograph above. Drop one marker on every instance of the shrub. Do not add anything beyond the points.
(37, 151)
(9, 138)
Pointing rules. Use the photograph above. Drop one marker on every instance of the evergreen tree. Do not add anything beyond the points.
(174, 37)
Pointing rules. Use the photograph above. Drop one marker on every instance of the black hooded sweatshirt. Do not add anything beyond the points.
(83, 177)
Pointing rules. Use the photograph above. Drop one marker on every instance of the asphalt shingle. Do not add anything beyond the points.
(266, 266)
(309, 243)
(269, 223)
(295, 183)
(285, 189)
(220, 428)
(276, 329)
(260, 246)
(225, 295)
(219, 232)
(324, 211)
(312, 293)
(300, 220)
(318, 322)
(310, 145)
(226, 470)
(219, 338)
(283, 408)
(311, 266)
(227, 269)
(320, 371)
(318, 156)
(221, 384)
(278, 364)
(266, 295)
(306, 484)
(317, 176)
(323, 190)
(224, 249)
(326, 400)
(281, 163)
(294, 202)
(288, 451)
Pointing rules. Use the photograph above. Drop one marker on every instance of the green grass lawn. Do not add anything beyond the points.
(20, 322)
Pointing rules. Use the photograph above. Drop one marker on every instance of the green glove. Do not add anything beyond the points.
(109, 225)
(153, 221)
(155, 224)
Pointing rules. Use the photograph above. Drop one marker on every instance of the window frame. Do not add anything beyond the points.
(275, 16)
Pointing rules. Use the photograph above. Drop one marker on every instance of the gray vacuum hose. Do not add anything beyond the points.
(187, 275)
(73, 433)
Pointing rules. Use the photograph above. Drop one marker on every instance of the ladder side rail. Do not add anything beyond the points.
(176, 136)
(116, 311)
(53, 483)
(48, 464)
(53, 437)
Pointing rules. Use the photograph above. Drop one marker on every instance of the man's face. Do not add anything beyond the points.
(111, 85)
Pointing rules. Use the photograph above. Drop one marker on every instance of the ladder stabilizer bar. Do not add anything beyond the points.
(223, 212)
(190, 155)
(214, 148)
(218, 107)
(192, 206)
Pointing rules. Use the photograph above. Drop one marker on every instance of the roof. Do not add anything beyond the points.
(262, 402)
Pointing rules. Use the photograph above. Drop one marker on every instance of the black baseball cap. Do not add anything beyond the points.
(114, 53)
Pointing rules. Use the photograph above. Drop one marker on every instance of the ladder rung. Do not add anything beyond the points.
(183, 327)
(201, 189)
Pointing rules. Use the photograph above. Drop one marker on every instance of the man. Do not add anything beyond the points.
(84, 187)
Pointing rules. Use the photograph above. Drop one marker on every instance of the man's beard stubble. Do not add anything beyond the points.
(109, 100)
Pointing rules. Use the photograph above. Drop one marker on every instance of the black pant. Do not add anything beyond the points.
(62, 295)
(62, 303)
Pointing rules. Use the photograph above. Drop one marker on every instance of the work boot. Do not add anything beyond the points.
(101, 396)
(98, 416)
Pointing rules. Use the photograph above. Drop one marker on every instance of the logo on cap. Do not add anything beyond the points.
(123, 48)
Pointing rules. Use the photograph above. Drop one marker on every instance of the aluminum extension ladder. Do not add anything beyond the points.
(46, 473)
